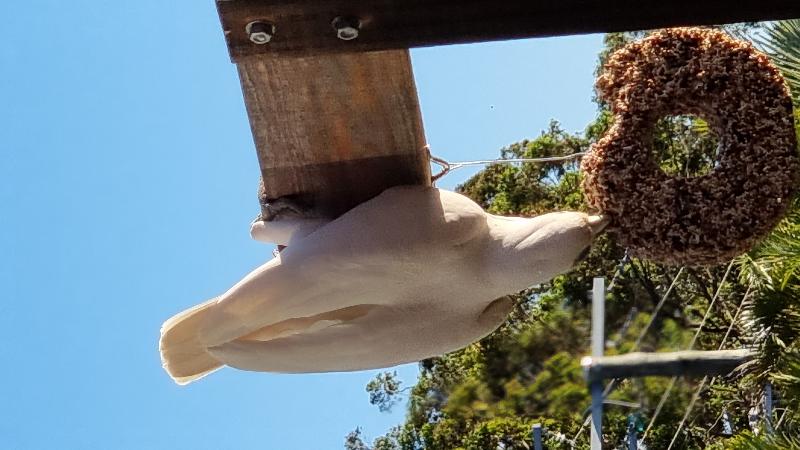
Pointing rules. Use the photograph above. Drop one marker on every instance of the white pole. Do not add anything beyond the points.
(598, 316)
(537, 436)
(598, 345)
(727, 429)
(768, 407)
(633, 439)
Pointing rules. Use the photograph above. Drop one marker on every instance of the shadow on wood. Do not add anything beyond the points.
(306, 26)
(335, 130)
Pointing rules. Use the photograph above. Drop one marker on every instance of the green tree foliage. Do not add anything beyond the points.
(353, 441)
(384, 391)
(488, 395)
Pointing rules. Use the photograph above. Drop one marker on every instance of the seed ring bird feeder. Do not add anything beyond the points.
(709, 218)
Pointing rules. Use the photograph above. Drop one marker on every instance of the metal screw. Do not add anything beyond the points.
(260, 32)
(346, 27)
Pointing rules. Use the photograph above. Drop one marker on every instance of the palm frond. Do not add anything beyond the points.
(776, 260)
(788, 380)
(781, 40)
(751, 442)
(771, 321)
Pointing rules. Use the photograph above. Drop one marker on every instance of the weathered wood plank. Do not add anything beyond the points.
(335, 130)
(688, 363)
(305, 26)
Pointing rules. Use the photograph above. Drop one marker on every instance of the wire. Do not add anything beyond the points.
(696, 395)
(688, 411)
(620, 268)
(448, 167)
(656, 310)
(660, 405)
(783, 416)
(710, 306)
(691, 345)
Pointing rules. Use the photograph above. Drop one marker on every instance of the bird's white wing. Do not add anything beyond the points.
(373, 254)
(278, 292)
(373, 336)
(379, 263)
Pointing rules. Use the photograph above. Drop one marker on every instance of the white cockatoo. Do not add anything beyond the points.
(414, 273)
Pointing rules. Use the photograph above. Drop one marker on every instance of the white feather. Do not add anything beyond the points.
(411, 274)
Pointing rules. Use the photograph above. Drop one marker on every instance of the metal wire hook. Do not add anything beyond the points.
(448, 167)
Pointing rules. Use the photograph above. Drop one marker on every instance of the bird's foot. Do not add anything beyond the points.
(283, 220)
(284, 206)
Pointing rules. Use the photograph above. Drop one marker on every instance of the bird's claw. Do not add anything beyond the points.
(282, 205)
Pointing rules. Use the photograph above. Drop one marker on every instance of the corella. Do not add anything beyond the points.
(415, 272)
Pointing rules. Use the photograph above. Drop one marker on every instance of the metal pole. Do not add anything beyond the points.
(633, 439)
(768, 407)
(598, 344)
(644, 364)
(727, 428)
(537, 436)
(598, 316)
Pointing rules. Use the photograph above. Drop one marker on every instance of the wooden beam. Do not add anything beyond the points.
(333, 131)
(305, 26)
(689, 363)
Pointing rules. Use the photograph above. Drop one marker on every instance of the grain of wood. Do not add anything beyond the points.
(304, 26)
(335, 130)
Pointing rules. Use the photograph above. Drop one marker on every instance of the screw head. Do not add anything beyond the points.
(260, 32)
(347, 28)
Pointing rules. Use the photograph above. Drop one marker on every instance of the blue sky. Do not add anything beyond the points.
(128, 183)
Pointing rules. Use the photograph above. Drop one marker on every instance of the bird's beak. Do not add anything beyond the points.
(598, 223)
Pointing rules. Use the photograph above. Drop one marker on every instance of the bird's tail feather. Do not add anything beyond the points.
(183, 356)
